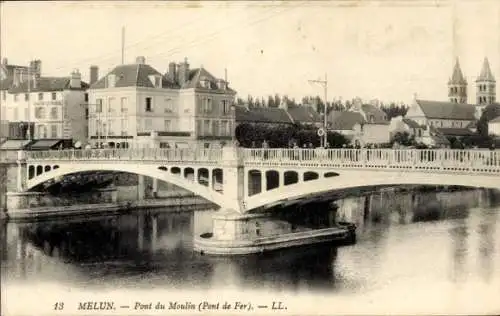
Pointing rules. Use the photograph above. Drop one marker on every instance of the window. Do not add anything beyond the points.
(86, 96)
(15, 97)
(98, 106)
(224, 128)
(198, 127)
(40, 113)
(111, 80)
(206, 127)
(42, 131)
(168, 105)
(215, 128)
(111, 125)
(167, 125)
(207, 105)
(26, 97)
(53, 131)
(124, 127)
(54, 96)
(40, 96)
(123, 105)
(148, 124)
(111, 105)
(148, 105)
(86, 114)
(225, 107)
(53, 113)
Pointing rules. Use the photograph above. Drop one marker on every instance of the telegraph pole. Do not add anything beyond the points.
(324, 83)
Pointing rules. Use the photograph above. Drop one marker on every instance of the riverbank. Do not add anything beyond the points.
(187, 203)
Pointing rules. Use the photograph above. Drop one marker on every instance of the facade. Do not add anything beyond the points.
(423, 134)
(494, 127)
(55, 106)
(135, 105)
(354, 126)
(448, 117)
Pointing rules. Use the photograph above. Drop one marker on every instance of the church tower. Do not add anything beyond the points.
(457, 85)
(485, 86)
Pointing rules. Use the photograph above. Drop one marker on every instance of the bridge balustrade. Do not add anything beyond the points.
(421, 159)
(135, 154)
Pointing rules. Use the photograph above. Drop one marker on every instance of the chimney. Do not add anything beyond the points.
(140, 60)
(17, 77)
(172, 72)
(94, 74)
(76, 80)
(36, 68)
(5, 61)
(183, 72)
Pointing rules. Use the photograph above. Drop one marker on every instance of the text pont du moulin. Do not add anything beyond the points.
(201, 306)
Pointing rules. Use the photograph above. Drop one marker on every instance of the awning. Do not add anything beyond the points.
(46, 144)
(14, 144)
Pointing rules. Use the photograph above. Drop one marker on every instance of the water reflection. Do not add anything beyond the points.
(424, 237)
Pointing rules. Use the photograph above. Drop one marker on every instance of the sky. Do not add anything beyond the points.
(387, 50)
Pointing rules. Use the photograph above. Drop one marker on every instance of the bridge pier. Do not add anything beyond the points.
(141, 188)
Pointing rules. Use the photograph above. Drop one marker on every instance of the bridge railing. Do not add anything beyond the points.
(133, 154)
(422, 159)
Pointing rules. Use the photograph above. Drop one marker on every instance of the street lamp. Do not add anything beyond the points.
(324, 83)
(233, 130)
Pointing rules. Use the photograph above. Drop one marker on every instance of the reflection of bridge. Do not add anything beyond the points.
(255, 178)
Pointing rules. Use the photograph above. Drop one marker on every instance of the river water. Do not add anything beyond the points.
(416, 253)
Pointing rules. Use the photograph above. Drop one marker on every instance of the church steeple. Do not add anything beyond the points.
(485, 85)
(457, 85)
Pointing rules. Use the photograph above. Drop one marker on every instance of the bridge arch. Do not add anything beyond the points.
(349, 179)
(152, 171)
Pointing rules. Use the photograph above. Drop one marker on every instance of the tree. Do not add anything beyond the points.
(490, 112)
(404, 139)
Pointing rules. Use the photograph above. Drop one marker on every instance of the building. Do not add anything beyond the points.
(422, 134)
(354, 126)
(494, 127)
(265, 117)
(485, 88)
(302, 114)
(54, 107)
(457, 85)
(135, 105)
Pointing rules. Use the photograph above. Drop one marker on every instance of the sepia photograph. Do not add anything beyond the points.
(250, 157)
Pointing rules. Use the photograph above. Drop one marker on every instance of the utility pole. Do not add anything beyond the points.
(123, 45)
(324, 83)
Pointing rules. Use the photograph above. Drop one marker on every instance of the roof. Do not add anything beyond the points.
(486, 74)
(303, 114)
(457, 77)
(132, 75)
(46, 84)
(344, 120)
(198, 74)
(9, 69)
(456, 131)
(495, 120)
(43, 144)
(262, 115)
(14, 144)
(447, 110)
(379, 116)
(137, 75)
(411, 123)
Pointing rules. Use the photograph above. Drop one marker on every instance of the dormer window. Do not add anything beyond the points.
(221, 84)
(155, 80)
(204, 82)
(111, 80)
